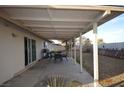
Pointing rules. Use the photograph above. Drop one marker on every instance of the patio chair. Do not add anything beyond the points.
(45, 53)
(51, 54)
(65, 56)
(58, 56)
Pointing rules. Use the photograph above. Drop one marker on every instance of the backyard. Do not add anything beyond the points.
(108, 67)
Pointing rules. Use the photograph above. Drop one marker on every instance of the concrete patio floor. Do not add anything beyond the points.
(46, 67)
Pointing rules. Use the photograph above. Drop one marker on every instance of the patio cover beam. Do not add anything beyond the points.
(48, 20)
(49, 26)
(93, 8)
(70, 7)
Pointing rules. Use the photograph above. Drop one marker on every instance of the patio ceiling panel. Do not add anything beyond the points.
(22, 13)
(47, 21)
(72, 15)
(63, 22)
(74, 19)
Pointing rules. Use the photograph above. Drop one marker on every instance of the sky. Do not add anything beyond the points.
(111, 31)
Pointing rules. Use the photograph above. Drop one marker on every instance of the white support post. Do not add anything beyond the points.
(81, 52)
(75, 51)
(71, 49)
(95, 55)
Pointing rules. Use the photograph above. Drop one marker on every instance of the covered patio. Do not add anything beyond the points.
(35, 75)
(64, 23)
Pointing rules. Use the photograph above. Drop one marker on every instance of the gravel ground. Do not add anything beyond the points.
(108, 66)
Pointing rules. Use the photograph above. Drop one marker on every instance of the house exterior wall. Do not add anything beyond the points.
(12, 57)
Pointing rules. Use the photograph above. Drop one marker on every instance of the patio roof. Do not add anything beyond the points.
(59, 22)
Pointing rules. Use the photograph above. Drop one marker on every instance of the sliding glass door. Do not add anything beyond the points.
(33, 50)
(26, 50)
(30, 50)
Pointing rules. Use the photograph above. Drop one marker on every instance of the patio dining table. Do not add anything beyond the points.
(58, 55)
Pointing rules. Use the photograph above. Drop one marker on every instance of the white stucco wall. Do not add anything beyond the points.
(12, 51)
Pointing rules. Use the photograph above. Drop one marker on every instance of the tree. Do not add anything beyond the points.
(85, 41)
(100, 41)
